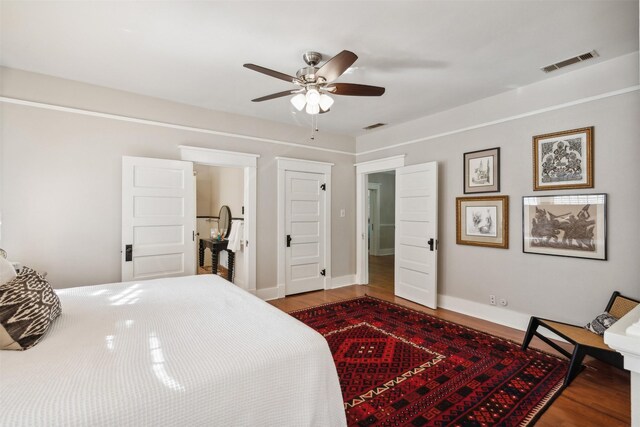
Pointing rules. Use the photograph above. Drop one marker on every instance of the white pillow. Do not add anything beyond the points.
(7, 272)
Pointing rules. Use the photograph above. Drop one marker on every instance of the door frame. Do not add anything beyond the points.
(374, 245)
(362, 170)
(249, 162)
(285, 164)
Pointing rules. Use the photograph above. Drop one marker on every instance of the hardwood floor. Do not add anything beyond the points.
(381, 271)
(598, 397)
(207, 270)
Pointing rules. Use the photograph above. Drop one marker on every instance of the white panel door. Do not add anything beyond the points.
(158, 218)
(417, 233)
(304, 224)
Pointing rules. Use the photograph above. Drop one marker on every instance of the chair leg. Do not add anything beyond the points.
(575, 366)
(531, 330)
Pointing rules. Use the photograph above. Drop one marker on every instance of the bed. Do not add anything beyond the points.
(182, 351)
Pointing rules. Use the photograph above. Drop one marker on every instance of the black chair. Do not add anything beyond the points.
(585, 342)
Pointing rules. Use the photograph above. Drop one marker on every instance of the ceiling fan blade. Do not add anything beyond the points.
(352, 89)
(272, 73)
(274, 96)
(333, 68)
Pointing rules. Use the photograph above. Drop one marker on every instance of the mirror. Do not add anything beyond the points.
(224, 221)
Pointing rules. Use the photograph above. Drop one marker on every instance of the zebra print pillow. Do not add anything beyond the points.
(28, 305)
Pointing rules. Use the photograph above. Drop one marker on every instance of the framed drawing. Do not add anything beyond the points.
(563, 160)
(572, 225)
(483, 221)
(482, 171)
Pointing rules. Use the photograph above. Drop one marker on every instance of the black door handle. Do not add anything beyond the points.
(128, 253)
(288, 240)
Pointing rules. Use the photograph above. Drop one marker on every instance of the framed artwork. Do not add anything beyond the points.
(573, 225)
(563, 160)
(483, 221)
(482, 171)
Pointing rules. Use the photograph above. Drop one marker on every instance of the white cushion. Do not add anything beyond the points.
(7, 272)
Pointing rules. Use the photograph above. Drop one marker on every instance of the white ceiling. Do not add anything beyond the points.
(430, 55)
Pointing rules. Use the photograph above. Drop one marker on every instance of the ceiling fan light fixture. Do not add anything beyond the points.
(315, 82)
(312, 109)
(313, 97)
(325, 102)
(298, 101)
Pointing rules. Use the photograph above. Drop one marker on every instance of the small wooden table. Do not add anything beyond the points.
(216, 246)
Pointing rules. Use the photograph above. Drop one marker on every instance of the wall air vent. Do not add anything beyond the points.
(376, 125)
(575, 59)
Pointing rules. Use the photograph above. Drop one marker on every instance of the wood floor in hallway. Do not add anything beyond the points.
(381, 271)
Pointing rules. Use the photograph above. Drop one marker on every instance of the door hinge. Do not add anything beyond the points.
(431, 243)
(323, 272)
(128, 253)
(323, 187)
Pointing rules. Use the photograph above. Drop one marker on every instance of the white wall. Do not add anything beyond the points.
(218, 186)
(61, 173)
(568, 289)
(387, 218)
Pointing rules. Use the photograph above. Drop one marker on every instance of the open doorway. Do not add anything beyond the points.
(381, 196)
(220, 195)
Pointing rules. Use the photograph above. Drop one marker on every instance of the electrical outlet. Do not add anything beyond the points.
(503, 302)
(492, 299)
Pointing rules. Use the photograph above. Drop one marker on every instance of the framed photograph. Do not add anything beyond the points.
(573, 225)
(482, 171)
(483, 221)
(563, 160)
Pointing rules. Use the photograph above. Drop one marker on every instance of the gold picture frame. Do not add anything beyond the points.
(563, 160)
(483, 221)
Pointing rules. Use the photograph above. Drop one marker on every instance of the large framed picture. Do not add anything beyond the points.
(573, 225)
(483, 221)
(563, 160)
(482, 171)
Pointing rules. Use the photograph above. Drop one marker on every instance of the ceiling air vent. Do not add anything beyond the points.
(377, 125)
(575, 59)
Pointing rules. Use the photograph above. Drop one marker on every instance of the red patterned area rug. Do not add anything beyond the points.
(400, 367)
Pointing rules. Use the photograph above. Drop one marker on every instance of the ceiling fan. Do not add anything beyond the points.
(316, 83)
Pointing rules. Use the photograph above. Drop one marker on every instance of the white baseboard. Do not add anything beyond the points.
(269, 293)
(385, 251)
(339, 282)
(276, 292)
(495, 314)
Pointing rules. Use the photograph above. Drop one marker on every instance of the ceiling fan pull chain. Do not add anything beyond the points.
(313, 128)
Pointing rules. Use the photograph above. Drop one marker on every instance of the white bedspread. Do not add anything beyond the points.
(185, 351)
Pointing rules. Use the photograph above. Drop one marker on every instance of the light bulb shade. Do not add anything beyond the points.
(313, 97)
(325, 102)
(312, 109)
(298, 101)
